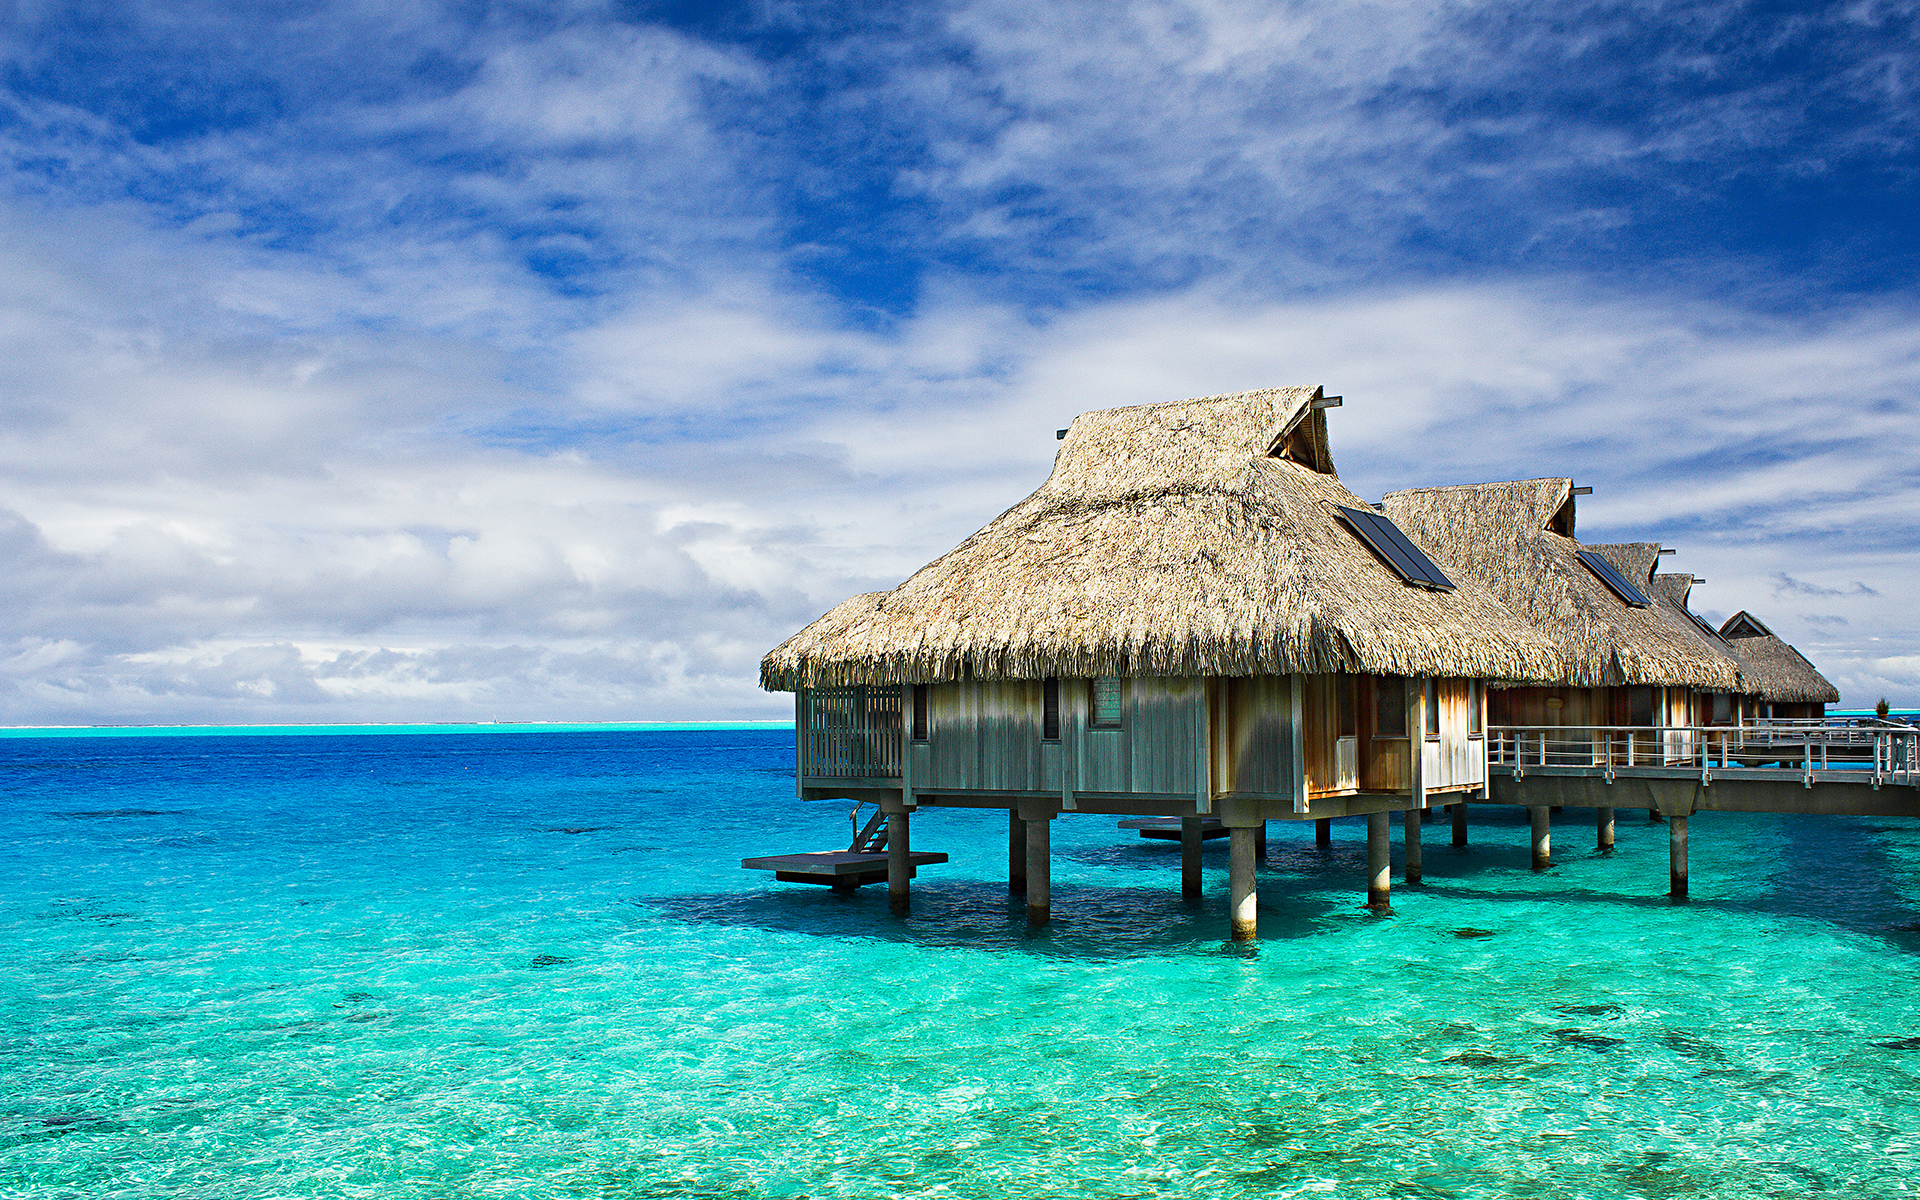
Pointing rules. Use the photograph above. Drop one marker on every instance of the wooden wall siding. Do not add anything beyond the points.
(1578, 706)
(1452, 761)
(1321, 717)
(985, 737)
(1259, 735)
(1387, 764)
(1165, 747)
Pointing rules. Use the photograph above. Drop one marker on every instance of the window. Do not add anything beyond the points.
(1104, 703)
(1344, 701)
(1722, 709)
(1473, 708)
(1432, 706)
(1407, 560)
(1050, 710)
(1640, 706)
(1389, 706)
(920, 706)
(1614, 580)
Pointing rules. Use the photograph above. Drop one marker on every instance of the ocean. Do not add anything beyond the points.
(525, 962)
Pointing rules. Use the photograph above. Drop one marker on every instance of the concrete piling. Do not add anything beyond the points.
(1323, 833)
(1542, 837)
(899, 864)
(1379, 863)
(1677, 857)
(1603, 829)
(1190, 843)
(1039, 866)
(1245, 901)
(1460, 825)
(1016, 853)
(1411, 836)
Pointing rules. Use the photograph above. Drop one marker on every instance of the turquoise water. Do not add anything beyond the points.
(463, 964)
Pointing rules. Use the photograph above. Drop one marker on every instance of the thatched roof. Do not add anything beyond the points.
(1771, 669)
(1169, 540)
(1515, 539)
(1667, 593)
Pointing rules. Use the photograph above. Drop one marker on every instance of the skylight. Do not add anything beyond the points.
(1386, 540)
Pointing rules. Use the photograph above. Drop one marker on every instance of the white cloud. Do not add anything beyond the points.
(520, 394)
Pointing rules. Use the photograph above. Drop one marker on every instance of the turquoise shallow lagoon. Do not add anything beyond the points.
(525, 963)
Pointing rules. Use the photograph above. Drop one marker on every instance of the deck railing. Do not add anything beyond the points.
(1883, 751)
(850, 733)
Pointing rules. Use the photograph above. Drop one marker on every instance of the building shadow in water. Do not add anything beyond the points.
(1304, 891)
(1088, 922)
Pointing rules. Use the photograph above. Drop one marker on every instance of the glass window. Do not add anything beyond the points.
(1104, 703)
(1389, 706)
(1432, 706)
(1473, 706)
(1050, 710)
(1640, 706)
(920, 712)
(1343, 700)
(1722, 709)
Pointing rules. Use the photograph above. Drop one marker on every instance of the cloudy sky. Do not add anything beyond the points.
(375, 361)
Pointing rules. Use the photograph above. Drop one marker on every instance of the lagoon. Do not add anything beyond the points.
(486, 961)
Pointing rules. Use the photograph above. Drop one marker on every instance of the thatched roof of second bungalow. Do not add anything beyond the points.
(1770, 668)
(1196, 538)
(1516, 539)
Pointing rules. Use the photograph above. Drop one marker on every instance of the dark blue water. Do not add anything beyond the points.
(500, 963)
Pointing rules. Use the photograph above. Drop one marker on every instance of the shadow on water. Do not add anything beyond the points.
(1089, 922)
(1837, 869)
(1304, 891)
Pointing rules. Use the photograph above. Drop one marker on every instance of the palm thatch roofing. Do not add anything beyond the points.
(1516, 539)
(1196, 538)
(1772, 670)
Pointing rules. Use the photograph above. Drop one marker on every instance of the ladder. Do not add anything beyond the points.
(872, 836)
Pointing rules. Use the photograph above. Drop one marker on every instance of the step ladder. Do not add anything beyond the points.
(872, 837)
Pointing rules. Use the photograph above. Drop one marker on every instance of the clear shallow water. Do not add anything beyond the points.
(465, 963)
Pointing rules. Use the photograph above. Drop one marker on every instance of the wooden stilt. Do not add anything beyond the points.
(1459, 824)
(1542, 837)
(1016, 853)
(1410, 834)
(899, 864)
(1603, 828)
(1190, 841)
(1245, 901)
(1677, 856)
(1379, 863)
(1323, 833)
(1039, 866)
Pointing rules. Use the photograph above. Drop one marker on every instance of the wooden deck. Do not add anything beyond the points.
(1168, 828)
(843, 870)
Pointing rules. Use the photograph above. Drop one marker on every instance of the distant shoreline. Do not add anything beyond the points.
(387, 727)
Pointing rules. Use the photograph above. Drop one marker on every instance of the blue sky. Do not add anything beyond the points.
(375, 362)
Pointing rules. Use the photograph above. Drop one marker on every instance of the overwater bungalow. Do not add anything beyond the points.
(1191, 617)
(1776, 680)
